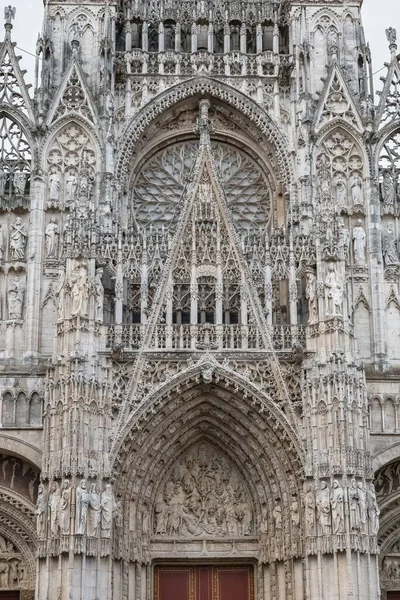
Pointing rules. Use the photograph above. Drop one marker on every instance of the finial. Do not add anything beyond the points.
(204, 125)
(9, 15)
(391, 35)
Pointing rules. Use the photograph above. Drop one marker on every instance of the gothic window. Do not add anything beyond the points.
(267, 37)
(206, 300)
(15, 164)
(202, 37)
(235, 36)
(231, 304)
(284, 39)
(35, 410)
(153, 38)
(158, 187)
(251, 40)
(136, 34)
(181, 304)
(219, 41)
(21, 410)
(7, 416)
(169, 35)
(186, 39)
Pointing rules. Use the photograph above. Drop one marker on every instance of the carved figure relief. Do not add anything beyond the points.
(359, 241)
(337, 504)
(12, 567)
(82, 506)
(98, 295)
(93, 521)
(65, 508)
(41, 512)
(311, 295)
(20, 476)
(373, 510)
(54, 509)
(390, 250)
(18, 237)
(333, 293)
(79, 290)
(203, 496)
(15, 299)
(310, 506)
(52, 237)
(324, 508)
(107, 504)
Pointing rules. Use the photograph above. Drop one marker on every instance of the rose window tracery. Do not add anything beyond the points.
(160, 184)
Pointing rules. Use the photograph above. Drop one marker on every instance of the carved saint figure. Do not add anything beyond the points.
(52, 235)
(353, 507)
(71, 184)
(19, 182)
(391, 35)
(341, 193)
(15, 298)
(359, 243)
(373, 510)
(337, 504)
(79, 291)
(65, 508)
(388, 189)
(311, 295)
(18, 240)
(390, 251)
(54, 508)
(99, 295)
(277, 515)
(93, 512)
(107, 510)
(82, 505)
(356, 191)
(309, 505)
(41, 512)
(60, 292)
(362, 507)
(118, 515)
(333, 293)
(54, 187)
(3, 180)
(9, 13)
(324, 508)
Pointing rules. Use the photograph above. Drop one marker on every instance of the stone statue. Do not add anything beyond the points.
(18, 238)
(82, 506)
(15, 298)
(356, 191)
(9, 13)
(41, 512)
(65, 508)
(71, 185)
(390, 251)
(3, 180)
(388, 189)
(93, 521)
(391, 35)
(19, 182)
(52, 238)
(54, 508)
(54, 187)
(311, 295)
(362, 507)
(309, 505)
(341, 193)
(277, 515)
(353, 507)
(107, 510)
(99, 295)
(324, 509)
(79, 291)
(60, 292)
(294, 512)
(359, 238)
(373, 510)
(337, 505)
(333, 293)
(118, 516)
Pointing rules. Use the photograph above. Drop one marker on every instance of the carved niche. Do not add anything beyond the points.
(13, 572)
(203, 495)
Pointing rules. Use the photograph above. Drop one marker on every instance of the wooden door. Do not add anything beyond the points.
(203, 583)
(9, 595)
(393, 596)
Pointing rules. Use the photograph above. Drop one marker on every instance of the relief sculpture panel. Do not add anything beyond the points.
(203, 495)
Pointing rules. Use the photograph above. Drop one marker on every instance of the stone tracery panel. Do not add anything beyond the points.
(15, 165)
(203, 495)
(389, 174)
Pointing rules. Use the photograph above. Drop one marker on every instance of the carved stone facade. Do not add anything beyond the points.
(199, 301)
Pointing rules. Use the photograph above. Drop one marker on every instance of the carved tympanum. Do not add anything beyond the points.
(203, 495)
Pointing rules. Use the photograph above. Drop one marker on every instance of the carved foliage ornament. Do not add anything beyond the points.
(203, 495)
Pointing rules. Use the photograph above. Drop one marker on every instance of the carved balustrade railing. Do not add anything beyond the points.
(170, 62)
(206, 337)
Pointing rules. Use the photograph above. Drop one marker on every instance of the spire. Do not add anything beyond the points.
(204, 124)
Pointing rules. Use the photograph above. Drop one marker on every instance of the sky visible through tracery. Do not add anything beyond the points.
(377, 16)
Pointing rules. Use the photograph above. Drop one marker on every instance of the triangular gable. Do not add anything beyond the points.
(336, 103)
(13, 89)
(73, 96)
(389, 103)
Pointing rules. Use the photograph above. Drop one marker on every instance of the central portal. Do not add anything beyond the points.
(204, 583)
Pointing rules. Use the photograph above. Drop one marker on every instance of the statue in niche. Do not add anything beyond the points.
(324, 508)
(359, 238)
(353, 507)
(79, 289)
(294, 512)
(15, 299)
(19, 182)
(65, 508)
(54, 508)
(60, 292)
(54, 188)
(388, 189)
(277, 516)
(99, 295)
(373, 510)
(341, 193)
(52, 236)
(82, 506)
(71, 185)
(107, 510)
(3, 180)
(118, 516)
(311, 295)
(391, 35)
(41, 512)
(390, 251)
(356, 191)
(362, 507)
(18, 238)
(310, 506)
(333, 293)
(93, 521)
(337, 505)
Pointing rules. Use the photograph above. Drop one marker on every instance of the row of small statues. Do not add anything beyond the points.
(75, 186)
(94, 511)
(19, 236)
(17, 180)
(329, 507)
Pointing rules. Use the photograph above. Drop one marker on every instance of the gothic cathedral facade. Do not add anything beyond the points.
(199, 304)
